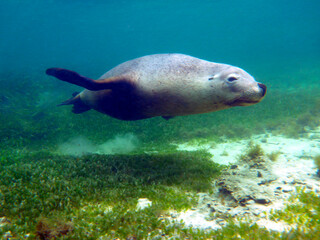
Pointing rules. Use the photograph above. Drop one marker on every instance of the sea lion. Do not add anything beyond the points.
(164, 85)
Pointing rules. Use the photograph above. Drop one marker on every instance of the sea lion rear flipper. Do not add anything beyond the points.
(90, 84)
(78, 105)
(75, 94)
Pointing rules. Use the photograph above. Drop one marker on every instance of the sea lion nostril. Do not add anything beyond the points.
(264, 89)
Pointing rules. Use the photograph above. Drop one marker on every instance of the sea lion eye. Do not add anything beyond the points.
(232, 78)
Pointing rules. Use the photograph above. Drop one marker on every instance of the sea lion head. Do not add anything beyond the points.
(239, 87)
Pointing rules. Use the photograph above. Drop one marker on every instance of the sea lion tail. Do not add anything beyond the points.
(78, 105)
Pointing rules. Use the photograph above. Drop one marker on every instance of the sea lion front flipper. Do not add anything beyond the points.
(88, 83)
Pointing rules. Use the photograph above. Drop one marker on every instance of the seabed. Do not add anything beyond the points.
(266, 186)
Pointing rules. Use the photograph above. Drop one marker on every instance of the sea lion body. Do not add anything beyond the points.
(164, 85)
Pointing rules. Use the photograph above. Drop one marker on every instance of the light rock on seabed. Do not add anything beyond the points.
(250, 189)
(143, 203)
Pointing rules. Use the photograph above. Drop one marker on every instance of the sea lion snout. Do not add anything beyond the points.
(264, 89)
(251, 92)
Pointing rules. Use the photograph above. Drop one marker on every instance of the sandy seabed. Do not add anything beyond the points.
(250, 190)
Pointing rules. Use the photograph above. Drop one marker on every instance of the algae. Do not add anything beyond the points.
(252, 153)
(43, 185)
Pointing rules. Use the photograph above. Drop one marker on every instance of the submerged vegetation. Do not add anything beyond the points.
(273, 156)
(46, 196)
(41, 185)
(50, 229)
(303, 214)
(253, 153)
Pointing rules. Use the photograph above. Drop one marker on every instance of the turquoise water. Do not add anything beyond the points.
(93, 36)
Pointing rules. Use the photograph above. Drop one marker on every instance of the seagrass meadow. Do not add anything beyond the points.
(80, 176)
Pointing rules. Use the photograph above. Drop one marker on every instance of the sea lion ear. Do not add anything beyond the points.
(215, 76)
(117, 82)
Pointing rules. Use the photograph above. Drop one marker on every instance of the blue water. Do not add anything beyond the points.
(93, 36)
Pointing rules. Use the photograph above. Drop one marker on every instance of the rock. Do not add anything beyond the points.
(233, 204)
(264, 140)
(262, 215)
(143, 203)
(287, 189)
(221, 209)
(7, 235)
(262, 201)
(267, 178)
(221, 222)
(250, 202)
(277, 192)
(233, 166)
(297, 181)
(174, 215)
(256, 213)
(309, 186)
(3, 221)
(212, 209)
(208, 218)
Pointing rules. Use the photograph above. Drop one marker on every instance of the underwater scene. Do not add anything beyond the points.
(213, 134)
